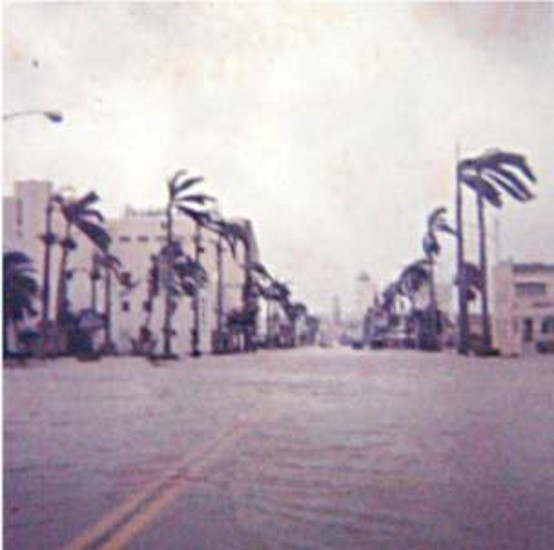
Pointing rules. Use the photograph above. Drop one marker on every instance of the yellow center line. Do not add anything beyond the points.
(129, 513)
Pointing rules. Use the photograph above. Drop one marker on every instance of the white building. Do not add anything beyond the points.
(136, 237)
(524, 302)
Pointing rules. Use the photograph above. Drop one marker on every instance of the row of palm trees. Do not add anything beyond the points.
(174, 272)
(424, 323)
(491, 176)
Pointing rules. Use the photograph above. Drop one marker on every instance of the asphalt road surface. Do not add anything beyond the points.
(301, 449)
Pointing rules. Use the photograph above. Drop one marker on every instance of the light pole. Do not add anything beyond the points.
(52, 116)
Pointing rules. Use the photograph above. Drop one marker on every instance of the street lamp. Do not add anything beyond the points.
(52, 116)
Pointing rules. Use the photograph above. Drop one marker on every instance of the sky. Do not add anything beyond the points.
(334, 127)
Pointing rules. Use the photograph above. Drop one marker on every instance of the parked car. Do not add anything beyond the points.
(545, 345)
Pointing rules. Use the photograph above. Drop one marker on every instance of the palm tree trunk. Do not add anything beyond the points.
(247, 298)
(434, 308)
(45, 295)
(268, 322)
(485, 317)
(463, 326)
(167, 265)
(61, 302)
(46, 266)
(5, 337)
(108, 344)
(62, 279)
(195, 347)
(220, 306)
(93, 294)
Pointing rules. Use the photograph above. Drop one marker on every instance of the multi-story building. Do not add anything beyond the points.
(524, 306)
(137, 236)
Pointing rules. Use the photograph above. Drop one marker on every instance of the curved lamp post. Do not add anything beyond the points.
(52, 116)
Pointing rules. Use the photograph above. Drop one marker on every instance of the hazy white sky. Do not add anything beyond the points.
(333, 127)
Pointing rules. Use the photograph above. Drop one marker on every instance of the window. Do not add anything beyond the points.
(125, 306)
(142, 239)
(547, 326)
(531, 289)
(124, 239)
(528, 329)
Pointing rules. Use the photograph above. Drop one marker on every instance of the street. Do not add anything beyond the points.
(308, 448)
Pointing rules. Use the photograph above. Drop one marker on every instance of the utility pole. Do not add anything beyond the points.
(195, 352)
(485, 317)
(220, 289)
(463, 327)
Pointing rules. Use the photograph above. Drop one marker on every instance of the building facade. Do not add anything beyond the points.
(524, 307)
(137, 237)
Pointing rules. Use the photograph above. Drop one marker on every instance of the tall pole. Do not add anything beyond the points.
(48, 239)
(268, 321)
(108, 345)
(434, 305)
(167, 273)
(220, 283)
(485, 317)
(249, 301)
(463, 327)
(195, 352)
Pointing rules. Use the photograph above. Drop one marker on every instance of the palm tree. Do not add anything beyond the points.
(262, 281)
(489, 175)
(279, 293)
(111, 265)
(49, 238)
(230, 233)
(19, 291)
(294, 311)
(82, 215)
(192, 206)
(412, 279)
(153, 288)
(436, 222)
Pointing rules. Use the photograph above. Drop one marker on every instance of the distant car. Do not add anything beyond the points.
(357, 344)
(377, 342)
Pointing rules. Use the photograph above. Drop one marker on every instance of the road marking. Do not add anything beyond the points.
(128, 519)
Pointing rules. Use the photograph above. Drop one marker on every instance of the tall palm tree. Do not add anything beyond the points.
(193, 206)
(412, 279)
(436, 222)
(49, 239)
(83, 216)
(19, 289)
(294, 312)
(80, 214)
(153, 288)
(490, 175)
(262, 282)
(279, 293)
(111, 265)
(230, 233)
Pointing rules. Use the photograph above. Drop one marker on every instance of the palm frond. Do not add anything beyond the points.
(199, 216)
(187, 184)
(174, 179)
(199, 198)
(435, 215)
(483, 188)
(95, 233)
(508, 181)
(92, 213)
(84, 202)
(503, 158)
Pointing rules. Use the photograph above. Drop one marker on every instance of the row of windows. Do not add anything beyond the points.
(531, 289)
(146, 238)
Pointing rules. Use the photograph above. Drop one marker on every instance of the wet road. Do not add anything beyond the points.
(304, 449)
